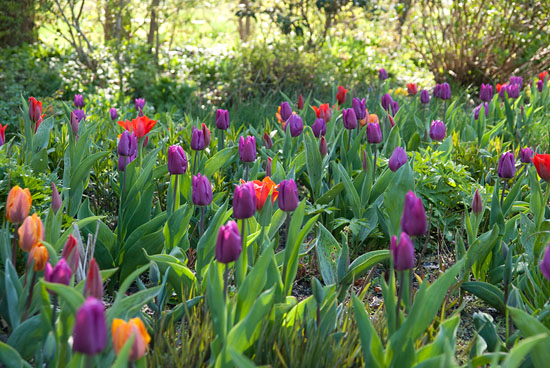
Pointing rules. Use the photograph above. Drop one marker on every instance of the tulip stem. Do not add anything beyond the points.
(194, 162)
(201, 223)
(241, 274)
(14, 246)
(31, 291)
(374, 162)
(54, 309)
(175, 189)
(349, 139)
(225, 282)
(399, 296)
(245, 171)
(221, 141)
(502, 194)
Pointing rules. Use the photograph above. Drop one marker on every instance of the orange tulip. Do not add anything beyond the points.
(141, 126)
(31, 232)
(39, 256)
(122, 331)
(18, 204)
(262, 189)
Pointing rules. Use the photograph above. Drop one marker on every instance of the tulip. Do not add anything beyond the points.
(364, 161)
(71, 253)
(445, 91)
(300, 103)
(323, 111)
(177, 160)
(542, 164)
(122, 331)
(517, 81)
(323, 147)
(477, 110)
(341, 95)
(124, 161)
(94, 285)
(386, 101)
(38, 256)
(394, 107)
(412, 89)
(113, 113)
(288, 195)
(127, 144)
(382, 74)
(424, 97)
(75, 122)
(56, 199)
(60, 274)
(206, 134)
(437, 90)
(319, 128)
(197, 140)
(268, 167)
(244, 201)
(513, 90)
(247, 149)
(18, 204)
(403, 252)
(486, 93)
(540, 85)
(228, 245)
(222, 119)
(35, 109)
(262, 189)
(542, 75)
(268, 142)
(296, 125)
(477, 204)
(202, 190)
(90, 328)
(3, 134)
(413, 221)
(502, 89)
(545, 264)
(78, 101)
(142, 126)
(30, 232)
(359, 108)
(374, 134)
(397, 159)
(139, 103)
(526, 155)
(507, 166)
(286, 111)
(437, 130)
(349, 119)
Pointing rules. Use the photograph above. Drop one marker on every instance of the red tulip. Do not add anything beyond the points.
(341, 95)
(35, 109)
(542, 163)
(412, 89)
(141, 126)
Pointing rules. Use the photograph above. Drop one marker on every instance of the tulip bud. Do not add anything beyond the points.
(382, 74)
(286, 111)
(412, 89)
(374, 134)
(444, 91)
(78, 101)
(197, 140)
(177, 160)
(56, 199)
(77, 116)
(3, 134)
(113, 113)
(349, 119)
(60, 274)
(386, 101)
(477, 204)
(341, 95)
(71, 253)
(206, 134)
(202, 191)
(545, 264)
(364, 163)
(507, 166)
(319, 128)
(477, 110)
(542, 164)
(296, 125)
(228, 245)
(437, 130)
(513, 90)
(323, 111)
(540, 85)
(359, 108)
(247, 149)
(30, 232)
(122, 331)
(18, 204)
(394, 106)
(300, 103)
(526, 155)
(517, 80)
(403, 252)
(139, 103)
(222, 119)
(397, 159)
(424, 97)
(35, 109)
(244, 201)
(413, 221)
(268, 167)
(94, 285)
(486, 93)
(38, 257)
(127, 144)
(288, 195)
(268, 143)
(323, 147)
(90, 328)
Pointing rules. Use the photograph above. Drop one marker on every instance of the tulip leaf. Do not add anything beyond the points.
(134, 257)
(42, 136)
(176, 227)
(489, 293)
(313, 162)
(517, 354)
(39, 161)
(25, 337)
(220, 160)
(83, 169)
(394, 196)
(530, 326)
(179, 276)
(10, 357)
(123, 356)
(240, 360)
(362, 263)
(480, 248)
(207, 242)
(214, 298)
(354, 201)
(129, 306)
(277, 221)
(329, 195)
(13, 291)
(382, 183)
(373, 351)
(327, 249)
(70, 295)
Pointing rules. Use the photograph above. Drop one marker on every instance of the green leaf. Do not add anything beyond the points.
(177, 226)
(373, 351)
(13, 291)
(70, 295)
(327, 249)
(10, 358)
(329, 196)
(123, 356)
(353, 197)
(515, 357)
(313, 161)
(26, 337)
(394, 196)
(362, 263)
(240, 360)
(219, 160)
(480, 248)
(381, 184)
(529, 326)
(207, 242)
(130, 306)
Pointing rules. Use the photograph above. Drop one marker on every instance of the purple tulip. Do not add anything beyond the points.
(139, 103)
(477, 204)
(526, 155)
(78, 101)
(540, 85)
(247, 149)
(124, 161)
(403, 252)
(228, 245)
(222, 119)
(56, 199)
(545, 264)
(359, 108)
(413, 221)
(202, 191)
(513, 90)
(397, 159)
(477, 110)
(517, 80)
(424, 97)
(374, 134)
(445, 91)
(296, 125)
(323, 147)
(437, 90)
(268, 166)
(382, 74)
(127, 144)
(286, 111)
(197, 139)
(177, 160)
(486, 93)
(319, 128)
(114, 113)
(90, 328)
(60, 274)
(507, 166)
(386, 101)
(268, 142)
(437, 130)
(349, 119)
(77, 116)
(394, 105)
(244, 201)
(288, 195)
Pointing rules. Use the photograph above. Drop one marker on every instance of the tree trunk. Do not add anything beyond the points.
(153, 25)
(17, 24)
(110, 20)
